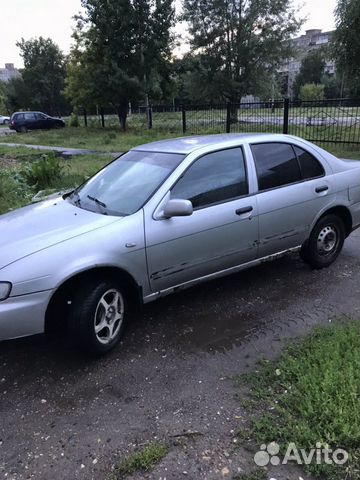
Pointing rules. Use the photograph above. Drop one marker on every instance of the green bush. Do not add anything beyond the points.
(44, 173)
(74, 120)
(312, 91)
(14, 192)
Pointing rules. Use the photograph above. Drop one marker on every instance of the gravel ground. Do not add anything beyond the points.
(66, 416)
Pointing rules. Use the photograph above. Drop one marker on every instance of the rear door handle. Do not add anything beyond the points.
(240, 211)
(323, 188)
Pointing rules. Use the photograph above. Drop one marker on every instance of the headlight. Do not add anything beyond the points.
(5, 289)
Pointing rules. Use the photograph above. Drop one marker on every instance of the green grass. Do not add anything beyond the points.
(311, 394)
(16, 185)
(144, 460)
(111, 139)
(104, 140)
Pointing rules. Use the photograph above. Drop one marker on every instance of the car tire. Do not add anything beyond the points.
(325, 242)
(98, 316)
(5, 122)
(22, 129)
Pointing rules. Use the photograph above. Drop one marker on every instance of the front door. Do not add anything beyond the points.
(221, 233)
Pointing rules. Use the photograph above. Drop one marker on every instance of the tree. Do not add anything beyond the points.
(121, 53)
(332, 84)
(3, 108)
(17, 95)
(311, 70)
(43, 74)
(347, 43)
(239, 41)
(311, 91)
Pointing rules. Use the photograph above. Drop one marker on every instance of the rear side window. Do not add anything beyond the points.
(276, 165)
(310, 167)
(18, 116)
(214, 178)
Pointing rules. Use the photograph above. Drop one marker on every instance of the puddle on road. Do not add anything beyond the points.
(221, 314)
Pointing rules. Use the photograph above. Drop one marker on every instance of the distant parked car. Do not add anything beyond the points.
(24, 121)
(165, 216)
(4, 120)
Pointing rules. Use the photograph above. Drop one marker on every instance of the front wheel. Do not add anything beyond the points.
(98, 316)
(325, 242)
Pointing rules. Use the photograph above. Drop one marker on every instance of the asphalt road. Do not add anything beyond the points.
(66, 416)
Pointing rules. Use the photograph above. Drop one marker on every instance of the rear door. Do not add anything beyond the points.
(30, 120)
(293, 189)
(222, 231)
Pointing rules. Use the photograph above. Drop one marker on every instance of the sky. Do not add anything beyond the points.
(53, 18)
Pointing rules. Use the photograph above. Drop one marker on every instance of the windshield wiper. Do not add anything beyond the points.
(96, 200)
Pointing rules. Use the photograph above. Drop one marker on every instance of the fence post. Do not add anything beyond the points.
(228, 117)
(149, 117)
(102, 117)
(286, 116)
(85, 118)
(183, 119)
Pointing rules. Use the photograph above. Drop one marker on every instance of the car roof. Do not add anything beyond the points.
(187, 145)
(28, 111)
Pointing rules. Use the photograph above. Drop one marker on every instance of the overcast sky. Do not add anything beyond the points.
(53, 18)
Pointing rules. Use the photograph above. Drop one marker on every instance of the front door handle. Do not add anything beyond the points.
(323, 188)
(240, 211)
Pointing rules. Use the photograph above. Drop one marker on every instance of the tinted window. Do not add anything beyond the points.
(40, 116)
(214, 178)
(310, 167)
(276, 165)
(18, 116)
(29, 116)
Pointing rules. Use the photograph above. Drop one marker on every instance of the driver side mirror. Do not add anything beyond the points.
(178, 208)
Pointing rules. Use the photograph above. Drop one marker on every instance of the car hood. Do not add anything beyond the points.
(39, 226)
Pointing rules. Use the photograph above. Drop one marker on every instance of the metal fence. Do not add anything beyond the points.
(325, 121)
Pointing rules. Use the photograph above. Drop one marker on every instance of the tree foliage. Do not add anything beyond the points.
(3, 108)
(239, 42)
(43, 76)
(311, 70)
(121, 53)
(347, 43)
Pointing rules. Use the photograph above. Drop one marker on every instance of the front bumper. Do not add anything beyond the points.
(23, 315)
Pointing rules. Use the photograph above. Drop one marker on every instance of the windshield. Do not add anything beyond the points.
(125, 185)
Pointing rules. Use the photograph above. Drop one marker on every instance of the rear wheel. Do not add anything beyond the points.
(98, 316)
(325, 242)
(23, 129)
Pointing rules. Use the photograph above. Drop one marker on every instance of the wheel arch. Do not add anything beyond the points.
(60, 301)
(342, 212)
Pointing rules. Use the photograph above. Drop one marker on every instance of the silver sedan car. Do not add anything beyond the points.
(4, 120)
(165, 216)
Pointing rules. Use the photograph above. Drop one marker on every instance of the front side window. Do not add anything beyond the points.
(214, 178)
(125, 185)
(276, 165)
(310, 167)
